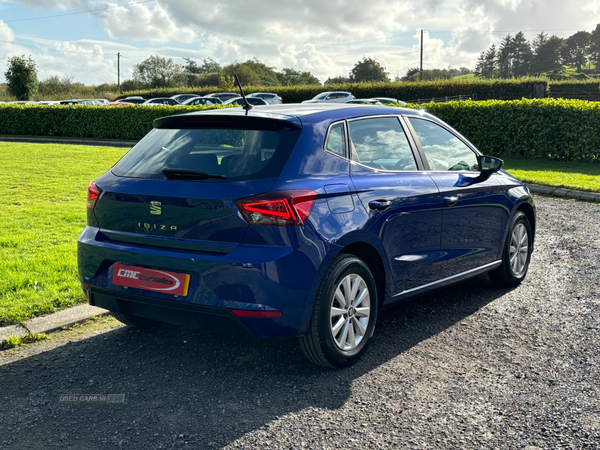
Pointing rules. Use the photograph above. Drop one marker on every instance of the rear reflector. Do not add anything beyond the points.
(93, 193)
(247, 313)
(280, 208)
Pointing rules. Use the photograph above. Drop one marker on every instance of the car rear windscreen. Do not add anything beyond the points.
(237, 154)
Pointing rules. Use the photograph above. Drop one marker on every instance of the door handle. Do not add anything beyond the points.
(450, 201)
(379, 205)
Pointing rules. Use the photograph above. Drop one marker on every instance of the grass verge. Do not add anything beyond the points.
(567, 174)
(15, 341)
(42, 211)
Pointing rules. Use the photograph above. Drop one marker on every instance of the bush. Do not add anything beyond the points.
(477, 89)
(544, 128)
(83, 121)
(584, 89)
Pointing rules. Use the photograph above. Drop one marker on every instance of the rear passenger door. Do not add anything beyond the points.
(402, 201)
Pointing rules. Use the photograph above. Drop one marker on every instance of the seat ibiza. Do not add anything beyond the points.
(298, 221)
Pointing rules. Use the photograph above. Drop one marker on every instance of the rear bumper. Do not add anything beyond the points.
(196, 316)
(250, 277)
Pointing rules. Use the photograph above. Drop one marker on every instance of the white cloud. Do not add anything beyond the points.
(6, 33)
(144, 23)
(324, 37)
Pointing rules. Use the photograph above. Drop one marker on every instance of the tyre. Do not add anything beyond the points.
(516, 253)
(135, 321)
(344, 314)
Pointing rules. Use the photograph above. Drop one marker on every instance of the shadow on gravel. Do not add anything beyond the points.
(186, 389)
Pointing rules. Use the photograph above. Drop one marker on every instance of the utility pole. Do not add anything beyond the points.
(421, 69)
(119, 71)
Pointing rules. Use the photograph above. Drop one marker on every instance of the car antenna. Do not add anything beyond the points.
(247, 105)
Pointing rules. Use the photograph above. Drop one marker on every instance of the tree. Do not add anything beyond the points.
(522, 55)
(21, 77)
(368, 70)
(196, 75)
(267, 74)
(246, 75)
(338, 80)
(595, 46)
(576, 49)
(505, 57)
(291, 77)
(486, 65)
(158, 71)
(547, 55)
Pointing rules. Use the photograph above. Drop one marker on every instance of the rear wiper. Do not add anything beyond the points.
(184, 174)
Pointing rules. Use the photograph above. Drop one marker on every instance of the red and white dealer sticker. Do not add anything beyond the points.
(151, 280)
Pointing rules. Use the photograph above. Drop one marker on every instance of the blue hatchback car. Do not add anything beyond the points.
(298, 221)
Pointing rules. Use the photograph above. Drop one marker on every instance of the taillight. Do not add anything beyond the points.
(251, 313)
(93, 193)
(283, 208)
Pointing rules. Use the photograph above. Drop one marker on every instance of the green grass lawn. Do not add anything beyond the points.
(567, 174)
(42, 211)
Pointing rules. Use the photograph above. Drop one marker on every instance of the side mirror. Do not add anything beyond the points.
(488, 165)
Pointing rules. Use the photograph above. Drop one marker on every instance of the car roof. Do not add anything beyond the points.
(302, 112)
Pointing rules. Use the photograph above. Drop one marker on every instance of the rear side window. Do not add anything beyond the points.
(238, 154)
(381, 143)
(335, 140)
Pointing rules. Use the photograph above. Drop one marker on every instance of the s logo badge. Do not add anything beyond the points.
(155, 208)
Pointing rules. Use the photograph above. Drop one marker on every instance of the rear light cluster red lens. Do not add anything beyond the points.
(250, 313)
(282, 208)
(93, 193)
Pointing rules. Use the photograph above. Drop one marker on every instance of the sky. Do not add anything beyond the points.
(81, 38)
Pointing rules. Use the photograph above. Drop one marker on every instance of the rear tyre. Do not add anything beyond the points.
(135, 321)
(516, 254)
(344, 314)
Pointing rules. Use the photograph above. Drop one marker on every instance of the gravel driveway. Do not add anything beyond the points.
(469, 367)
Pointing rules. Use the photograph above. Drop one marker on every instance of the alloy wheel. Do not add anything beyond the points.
(350, 312)
(519, 249)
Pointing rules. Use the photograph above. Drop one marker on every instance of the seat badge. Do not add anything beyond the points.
(155, 208)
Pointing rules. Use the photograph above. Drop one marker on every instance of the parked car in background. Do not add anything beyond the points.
(223, 96)
(331, 97)
(202, 101)
(389, 101)
(133, 99)
(183, 97)
(365, 101)
(239, 101)
(161, 101)
(21, 102)
(118, 103)
(272, 99)
(49, 102)
(80, 101)
(298, 221)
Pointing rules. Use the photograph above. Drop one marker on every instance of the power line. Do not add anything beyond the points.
(80, 12)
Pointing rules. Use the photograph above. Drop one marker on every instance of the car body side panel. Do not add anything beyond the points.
(473, 227)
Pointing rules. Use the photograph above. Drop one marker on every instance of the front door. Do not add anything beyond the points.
(475, 211)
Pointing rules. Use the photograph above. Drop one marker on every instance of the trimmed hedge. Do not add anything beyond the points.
(83, 121)
(584, 89)
(544, 128)
(477, 89)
